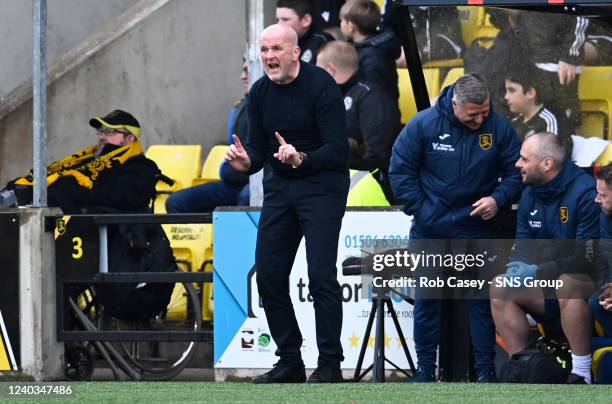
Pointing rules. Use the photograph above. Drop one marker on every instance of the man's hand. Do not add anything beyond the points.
(567, 73)
(287, 153)
(237, 156)
(485, 207)
(605, 299)
(521, 270)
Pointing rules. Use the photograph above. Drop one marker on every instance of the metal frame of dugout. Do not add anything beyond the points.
(95, 274)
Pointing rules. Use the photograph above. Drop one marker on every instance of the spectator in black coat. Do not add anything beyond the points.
(378, 50)
(299, 16)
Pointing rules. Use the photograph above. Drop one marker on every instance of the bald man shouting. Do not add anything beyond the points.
(297, 134)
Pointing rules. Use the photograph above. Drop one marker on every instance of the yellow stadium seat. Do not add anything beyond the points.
(182, 163)
(595, 94)
(192, 247)
(475, 23)
(452, 76)
(191, 243)
(605, 158)
(443, 63)
(212, 165)
(210, 173)
(406, 98)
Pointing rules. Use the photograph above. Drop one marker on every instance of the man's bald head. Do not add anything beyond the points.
(546, 144)
(279, 53)
(340, 59)
(541, 160)
(280, 31)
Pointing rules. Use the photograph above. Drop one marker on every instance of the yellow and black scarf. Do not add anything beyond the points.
(84, 166)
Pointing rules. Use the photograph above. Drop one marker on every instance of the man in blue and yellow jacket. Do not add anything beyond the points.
(601, 302)
(453, 168)
(557, 226)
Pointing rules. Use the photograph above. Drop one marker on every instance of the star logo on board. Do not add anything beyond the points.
(354, 340)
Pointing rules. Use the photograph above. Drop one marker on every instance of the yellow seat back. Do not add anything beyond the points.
(192, 247)
(179, 162)
(595, 94)
(182, 163)
(406, 99)
(605, 158)
(212, 165)
(452, 76)
(475, 23)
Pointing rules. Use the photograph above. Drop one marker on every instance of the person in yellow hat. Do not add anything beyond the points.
(113, 173)
(114, 176)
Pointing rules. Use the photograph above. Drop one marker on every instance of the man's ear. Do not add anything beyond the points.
(129, 139)
(547, 164)
(331, 68)
(306, 21)
(296, 53)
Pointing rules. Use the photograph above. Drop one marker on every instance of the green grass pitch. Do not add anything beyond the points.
(208, 392)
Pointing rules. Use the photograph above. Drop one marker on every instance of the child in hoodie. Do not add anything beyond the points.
(359, 20)
(523, 98)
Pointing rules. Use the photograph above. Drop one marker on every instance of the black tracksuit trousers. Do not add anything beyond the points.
(312, 207)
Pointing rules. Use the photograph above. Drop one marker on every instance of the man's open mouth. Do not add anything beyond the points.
(273, 66)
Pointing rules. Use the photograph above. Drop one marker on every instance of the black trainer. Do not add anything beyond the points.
(326, 374)
(573, 378)
(283, 372)
(488, 376)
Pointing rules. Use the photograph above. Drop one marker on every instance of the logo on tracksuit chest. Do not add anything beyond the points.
(485, 141)
(348, 103)
(444, 147)
(563, 214)
(534, 221)
(307, 56)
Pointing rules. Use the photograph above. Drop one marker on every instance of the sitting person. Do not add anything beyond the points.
(114, 176)
(233, 189)
(601, 303)
(114, 173)
(523, 98)
(598, 44)
(557, 223)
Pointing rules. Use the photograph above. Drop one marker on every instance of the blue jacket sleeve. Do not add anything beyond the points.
(582, 258)
(231, 119)
(407, 155)
(605, 247)
(511, 183)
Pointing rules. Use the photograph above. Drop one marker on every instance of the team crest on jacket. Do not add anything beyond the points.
(485, 140)
(563, 214)
(307, 56)
(348, 103)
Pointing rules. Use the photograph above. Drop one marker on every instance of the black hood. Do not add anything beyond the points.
(386, 41)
